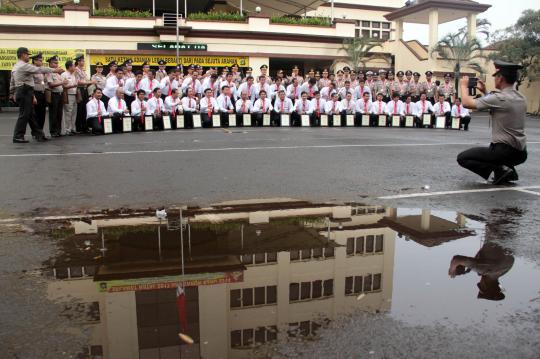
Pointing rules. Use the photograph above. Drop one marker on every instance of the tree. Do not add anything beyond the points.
(359, 51)
(483, 27)
(460, 52)
(520, 44)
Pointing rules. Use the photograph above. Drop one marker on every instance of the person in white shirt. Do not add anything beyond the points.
(378, 108)
(301, 107)
(261, 86)
(167, 84)
(189, 105)
(394, 107)
(173, 105)
(275, 88)
(318, 106)
(117, 108)
(333, 108)
(363, 107)
(193, 83)
(243, 105)
(262, 106)
(282, 105)
(361, 89)
(423, 106)
(229, 81)
(112, 84)
(310, 87)
(409, 109)
(459, 111)
(328, 91)
(208, 106)
(131, 87)
(348, 105)
(211, 82)
(248, 87)
(345, 90)
(95, 112)
(293, 90)
(139, 108)
(156, 107)
(149, 84)
(442, 108)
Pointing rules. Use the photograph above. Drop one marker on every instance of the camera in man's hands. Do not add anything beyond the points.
(473, 82)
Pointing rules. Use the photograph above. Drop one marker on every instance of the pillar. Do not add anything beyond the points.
(433, 28)
(399, 30)
(471, 26)
(425, 219)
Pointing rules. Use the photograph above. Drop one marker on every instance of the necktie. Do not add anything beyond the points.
(263, 107)
(408, 109)
(282, 105)
(380, 107)
(98, 111)
(395, 108)
(119, 103)
(174, 108)
(294, 94)
(423, 106)
(311, 91)
(170, 88)
(243, 106)
(190, 104)
(151, 89)
(459, 111)
(365, 107)
(159, 106)
(441, 108)
(143, 110)
(137, 86)
(318, 108)
(333, 106)
(209, 108)
(193, 85)
(304, 106)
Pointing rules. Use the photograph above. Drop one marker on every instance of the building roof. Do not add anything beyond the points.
(418, 12)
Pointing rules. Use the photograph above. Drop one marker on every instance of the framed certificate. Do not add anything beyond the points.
(336, 120)
(324, 120)
(440, 122)
(180, 121)
(148, 123)
(305, 120)
(126, 124)
(456, 123)
(396, 121)
(382, 120)
(216, 120)
(232, 120)
(197, 123)
(285, 120)
(426, 119)
(166, 122)
(365, 120)
(246, 118)
(266, 119)
(107, 125)
(349, 120)
(409, 121)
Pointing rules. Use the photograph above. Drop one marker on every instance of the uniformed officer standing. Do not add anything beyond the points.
(161, 73)
(99, 77)
(22, 86)
(40, 106)
(507, 107)
(55, 86)
(447, 89)
(83, 81)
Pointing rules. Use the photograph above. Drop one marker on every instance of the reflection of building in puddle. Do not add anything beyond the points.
(258, 272)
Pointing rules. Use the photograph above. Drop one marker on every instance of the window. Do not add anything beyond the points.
(350, 246)
(359, 245)
(304, 329)
(313, 253)
(357, 32)
(376, 25)
(311, 290)
(247, 297)
(248, 337)
(366, 33)
(329, 252)
(379, 243)
(259, 258)
(295, 255)
(366, 24)
(385, 35)
(386, 25)
(362, 210)
(363, 284)
(371, 244)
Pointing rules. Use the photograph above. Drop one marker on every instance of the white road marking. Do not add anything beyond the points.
(444, 193)
(236, 149)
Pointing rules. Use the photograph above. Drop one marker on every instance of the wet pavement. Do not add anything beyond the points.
(277, 278)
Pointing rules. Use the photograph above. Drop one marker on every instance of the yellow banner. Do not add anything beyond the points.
(206, 61)
(8, 56)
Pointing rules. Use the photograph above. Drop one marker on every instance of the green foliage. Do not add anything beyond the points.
(47, 10)
(112, 12)
(521, 44)
(483, 27)
(358, 51)
(460, 52)
(217, 16)
(317, 21)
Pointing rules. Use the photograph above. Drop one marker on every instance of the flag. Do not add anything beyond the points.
(181, 307)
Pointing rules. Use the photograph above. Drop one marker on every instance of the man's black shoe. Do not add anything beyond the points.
(502, 175)
(20, 140)
(514, 176)
(42, 139)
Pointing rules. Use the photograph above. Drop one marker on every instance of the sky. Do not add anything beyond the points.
(503, 13)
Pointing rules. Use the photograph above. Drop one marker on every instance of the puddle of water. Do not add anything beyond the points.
(290, 279)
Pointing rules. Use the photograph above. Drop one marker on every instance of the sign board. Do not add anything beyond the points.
(148, 123)
(126, 124)
(107, 125)
(206, 61)
(324, 120)
(8, 56)
(336, 120)
(171, 46)
(168, 282)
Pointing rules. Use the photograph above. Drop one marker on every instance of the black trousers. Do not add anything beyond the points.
(465, 122)
(55, 113)
(96, 125)
(80, 121)
(40, 109)
(484, 160)
(25, 96)
(117, 123)
(129, 100)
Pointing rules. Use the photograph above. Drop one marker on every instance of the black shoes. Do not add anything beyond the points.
(504, 174)
(20, 140)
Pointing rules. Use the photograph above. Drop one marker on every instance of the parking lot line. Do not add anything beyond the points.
(445, 193)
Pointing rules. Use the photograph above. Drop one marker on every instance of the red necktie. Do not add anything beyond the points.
(311, 91)
(423, 106)
(365, 107)
(282, 105)
(395, 108)
(159, 106)
(170, 88)
(294, 94)
(99, 111)
(151, 89)
(441, 108)
(243, 106)
(119, 103)
(459, 111)
(209, 109)
(143, 110)
(408, 110)
(137, 86)
(263, 107)
(318, 108)
(380, 107)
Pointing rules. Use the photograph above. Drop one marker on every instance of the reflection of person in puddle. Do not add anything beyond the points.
(491, 262)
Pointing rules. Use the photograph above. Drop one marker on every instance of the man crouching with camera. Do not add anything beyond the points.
(507, 108)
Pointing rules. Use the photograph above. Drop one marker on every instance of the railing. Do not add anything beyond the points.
(169, 19)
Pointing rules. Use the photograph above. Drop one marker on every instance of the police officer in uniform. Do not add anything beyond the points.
(98, 77)
(83, 81)
(22, 86)
(55, 86)
(507, 107)
(161, 73)
(40, 107)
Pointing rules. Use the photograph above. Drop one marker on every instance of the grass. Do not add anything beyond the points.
(217, 16)
(112, 12)
(50, 10)
(318, 21)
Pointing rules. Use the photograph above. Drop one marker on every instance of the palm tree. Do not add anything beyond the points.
(460, 52)
(358, 50)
